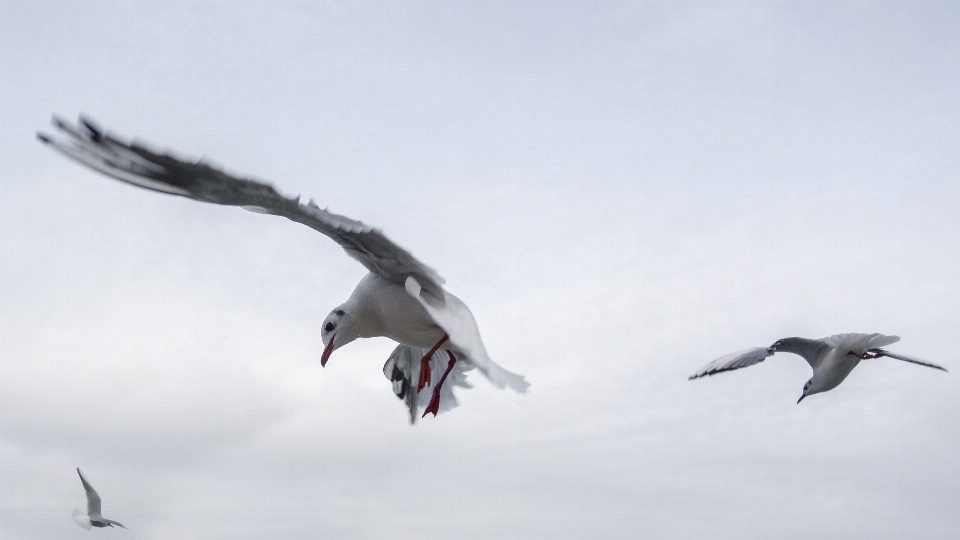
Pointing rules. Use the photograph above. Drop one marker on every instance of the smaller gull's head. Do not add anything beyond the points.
(811, 387)
(806, 388)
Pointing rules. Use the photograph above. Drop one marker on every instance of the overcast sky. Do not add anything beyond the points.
(621, 192)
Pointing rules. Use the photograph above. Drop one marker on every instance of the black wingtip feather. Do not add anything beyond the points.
(95, 132)
(45, 139)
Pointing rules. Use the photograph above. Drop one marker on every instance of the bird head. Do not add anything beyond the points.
(336, 332)
(810, 388)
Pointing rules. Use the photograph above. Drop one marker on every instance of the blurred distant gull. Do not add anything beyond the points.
(92, 518)
(832, 358)
(400, 298)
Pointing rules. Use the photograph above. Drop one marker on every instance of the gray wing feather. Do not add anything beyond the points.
(811, 350)
(93, 499)
(906, 358)
(140, 166)
(737, 360)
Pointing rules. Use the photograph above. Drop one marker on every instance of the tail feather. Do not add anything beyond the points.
(501, 377)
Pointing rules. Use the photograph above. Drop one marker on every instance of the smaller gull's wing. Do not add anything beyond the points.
(905, 358)
(135, 164)
(811, 350)
(93, 499)
(733, 361)
(403, 371)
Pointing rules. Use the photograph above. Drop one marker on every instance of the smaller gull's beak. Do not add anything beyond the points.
(327, 351)
(801, 398)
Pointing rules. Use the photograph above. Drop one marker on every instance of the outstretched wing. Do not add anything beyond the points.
(733, 361)
(905, 358)
(93, 499)
(140, 166)
(403, 371)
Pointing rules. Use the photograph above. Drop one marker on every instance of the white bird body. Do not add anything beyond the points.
(833, 369)
(409, 316)
(831, 358)
(384, 308)
(838, 362)
(400, 298)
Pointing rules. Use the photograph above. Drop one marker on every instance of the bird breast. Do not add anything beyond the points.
(391, 312)
(835, 368)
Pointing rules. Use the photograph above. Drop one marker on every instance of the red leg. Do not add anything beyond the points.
(425, 364)
(434, 406)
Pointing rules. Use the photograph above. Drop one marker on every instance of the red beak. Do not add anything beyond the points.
(327, 351)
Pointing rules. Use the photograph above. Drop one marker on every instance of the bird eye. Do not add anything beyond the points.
(328, 327)
(339, 312)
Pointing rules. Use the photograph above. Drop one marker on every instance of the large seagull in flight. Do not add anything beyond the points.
(400, 298)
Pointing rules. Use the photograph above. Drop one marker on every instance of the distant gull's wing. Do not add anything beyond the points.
(905, 358)
(140, 166)
(733, 361)
(93, 499)
(403, 371)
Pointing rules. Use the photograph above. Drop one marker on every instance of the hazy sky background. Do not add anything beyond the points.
(621, 192)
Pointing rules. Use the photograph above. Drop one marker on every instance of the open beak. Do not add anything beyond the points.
(801, 398)
(327, 351)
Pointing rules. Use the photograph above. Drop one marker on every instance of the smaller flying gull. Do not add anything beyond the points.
(832, 358)
(92, 518)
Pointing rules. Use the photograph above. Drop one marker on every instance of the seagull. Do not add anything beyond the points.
(92, 518)
(399, 298)
(832, 358)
